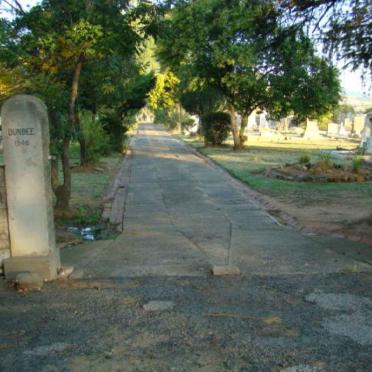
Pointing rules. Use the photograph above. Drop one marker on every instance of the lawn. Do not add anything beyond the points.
(335, 207)
(88, 186)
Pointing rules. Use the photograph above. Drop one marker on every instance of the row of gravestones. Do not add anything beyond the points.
(355, 126)
(27, 236)
(360, 125)
(349, 126)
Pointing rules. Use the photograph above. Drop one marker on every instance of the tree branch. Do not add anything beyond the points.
(17, 7)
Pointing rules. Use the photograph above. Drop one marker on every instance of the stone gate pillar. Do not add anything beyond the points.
(29, 195)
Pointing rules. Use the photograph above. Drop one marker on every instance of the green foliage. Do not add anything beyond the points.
(254, 60)
(357, 163)
(163, 95)
(201, 100)
(97, 140)
(161, 116)
(342, 111)
(325, 159)
(215, 127)
(324, 120)
(86, 216)
(187, 122)
(343, 26)
(172, 117)
(304, 159)
(112, 125)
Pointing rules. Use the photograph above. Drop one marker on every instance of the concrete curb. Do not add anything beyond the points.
(115, 198)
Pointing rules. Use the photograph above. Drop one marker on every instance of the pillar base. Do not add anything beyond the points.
(45, 266)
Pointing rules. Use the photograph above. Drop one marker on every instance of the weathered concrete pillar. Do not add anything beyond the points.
(29, 195)
(4, 228)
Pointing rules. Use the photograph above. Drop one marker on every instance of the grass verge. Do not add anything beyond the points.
(333, 207)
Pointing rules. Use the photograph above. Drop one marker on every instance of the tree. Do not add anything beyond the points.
(252, 59)
(344, 27)
(164, 93)
(57, 41)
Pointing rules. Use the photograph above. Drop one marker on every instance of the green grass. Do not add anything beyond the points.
(87, 187)
(248, 165)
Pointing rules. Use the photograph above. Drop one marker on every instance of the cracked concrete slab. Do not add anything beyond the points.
(184, 211)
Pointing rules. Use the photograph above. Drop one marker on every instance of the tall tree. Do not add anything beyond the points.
(58, 40)
(252, 59)
(344, 27)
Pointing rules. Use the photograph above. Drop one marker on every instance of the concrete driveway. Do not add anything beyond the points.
(183, 215)
(147, 302)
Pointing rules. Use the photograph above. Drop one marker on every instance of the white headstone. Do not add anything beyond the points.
(27, 170)
(358, 124)
(367, 134)
(252, 125)
(342, 131)
(332, 129)
(312, 129)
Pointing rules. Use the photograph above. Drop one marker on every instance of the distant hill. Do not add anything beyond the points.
(360, 104)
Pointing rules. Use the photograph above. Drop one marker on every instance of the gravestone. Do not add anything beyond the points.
(29, 195)
(332, 129)
(367, 134)
(358, 124)
(263, 124)
(252, 125)
(283, 125)
(342, 131)
(348, 124)
(312, 129)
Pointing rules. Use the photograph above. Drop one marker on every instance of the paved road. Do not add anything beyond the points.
(300, 305)
(184, 215)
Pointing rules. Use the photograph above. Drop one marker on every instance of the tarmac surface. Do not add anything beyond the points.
(146, 301)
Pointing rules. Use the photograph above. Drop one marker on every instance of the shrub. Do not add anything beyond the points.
(304, 159)
(357, 163)
(325, 160)
(113, 127)
(96, 139)
(215, 127)
(187, 123)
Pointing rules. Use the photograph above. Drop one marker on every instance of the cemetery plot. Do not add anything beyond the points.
(343, 208)
(322, 171)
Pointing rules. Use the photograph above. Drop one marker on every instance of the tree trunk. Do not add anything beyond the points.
(234, 127)
(64, 191)
(54, 174)
(243, 126)
(179, 118)
(81, 138)
(55, 124)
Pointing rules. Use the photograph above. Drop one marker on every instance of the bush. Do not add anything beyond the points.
(187, 123)
(96, 139)
(304, 159)
(325, 160)
(166, 117)
(215, 128)
(357, 163)
(113, 127)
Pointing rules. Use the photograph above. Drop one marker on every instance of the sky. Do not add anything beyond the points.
(351, 81)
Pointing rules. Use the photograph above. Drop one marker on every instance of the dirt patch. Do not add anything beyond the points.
(349, 220)
(320, 172)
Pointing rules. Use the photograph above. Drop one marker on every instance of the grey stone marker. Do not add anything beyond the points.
(29, 195)
(312, 129)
